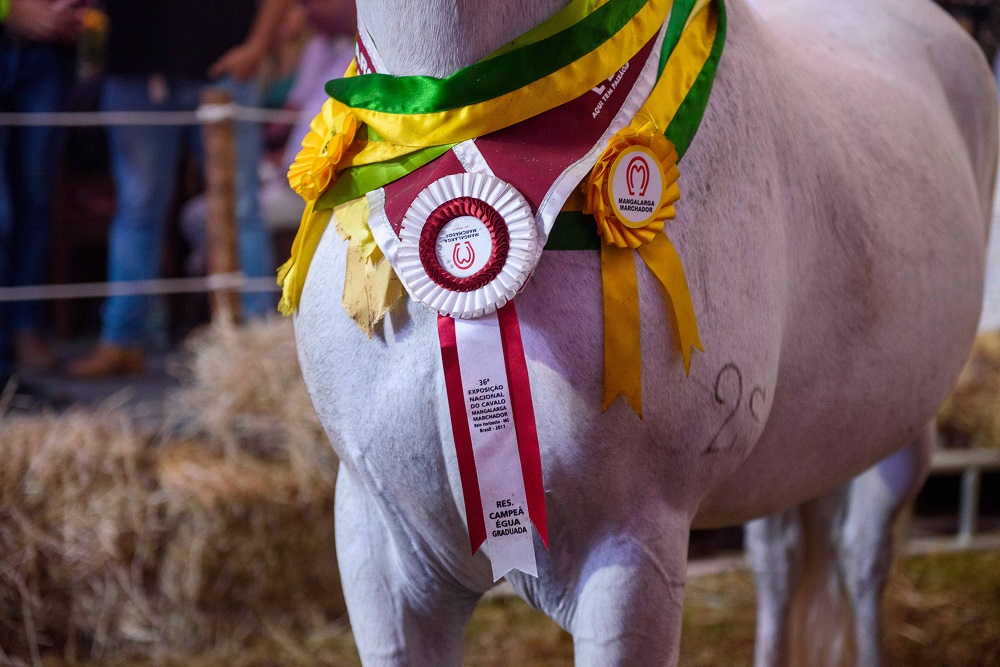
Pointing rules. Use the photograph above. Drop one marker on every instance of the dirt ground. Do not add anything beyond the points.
(941, 610)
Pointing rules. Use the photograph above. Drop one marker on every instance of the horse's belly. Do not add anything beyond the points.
(880, 321)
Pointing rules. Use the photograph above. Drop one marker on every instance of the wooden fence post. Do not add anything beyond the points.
(220, 182)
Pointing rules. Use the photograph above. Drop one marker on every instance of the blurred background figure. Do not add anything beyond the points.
(36, 74)
(325, 56)
(160, 55)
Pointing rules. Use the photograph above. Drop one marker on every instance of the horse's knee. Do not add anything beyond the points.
(625, 617)
(773, 540)
(628, 605)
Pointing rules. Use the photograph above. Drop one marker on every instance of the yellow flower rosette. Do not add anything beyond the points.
(642, 133)
(624, 240)
(330, 135)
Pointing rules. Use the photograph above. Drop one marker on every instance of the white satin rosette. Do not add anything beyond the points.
(467, 245)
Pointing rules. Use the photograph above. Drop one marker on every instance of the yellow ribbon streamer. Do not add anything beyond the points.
(622, 353)
(292, 274)
(351, 219)
(662, 259)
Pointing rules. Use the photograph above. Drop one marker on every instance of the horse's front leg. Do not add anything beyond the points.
(630, 606)
(619, 590)
(401, 613)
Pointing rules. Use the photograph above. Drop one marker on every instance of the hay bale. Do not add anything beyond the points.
(112, 547)
(77, 535)
(971, 415)
(249, 549)
(249, 499)
(243, 390)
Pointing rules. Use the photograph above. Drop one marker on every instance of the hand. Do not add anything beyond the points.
(240, 62)
(44, 21)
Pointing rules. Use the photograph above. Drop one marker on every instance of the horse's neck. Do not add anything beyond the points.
(438, 37)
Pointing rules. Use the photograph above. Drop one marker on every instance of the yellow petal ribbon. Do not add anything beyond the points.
(644, 134)
(331, 134)
(370, 285)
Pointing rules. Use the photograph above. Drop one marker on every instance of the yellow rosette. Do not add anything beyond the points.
(631, 193)
(623, 233)
(333, 144)
(330, 135)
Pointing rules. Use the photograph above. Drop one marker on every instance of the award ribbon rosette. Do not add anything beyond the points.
(568, 138)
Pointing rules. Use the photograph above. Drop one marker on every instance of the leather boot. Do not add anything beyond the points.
(108, 360)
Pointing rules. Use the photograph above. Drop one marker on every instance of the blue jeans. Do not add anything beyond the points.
(144, 161)
(33, 78)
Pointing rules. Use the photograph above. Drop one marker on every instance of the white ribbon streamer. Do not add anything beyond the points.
(494, 442)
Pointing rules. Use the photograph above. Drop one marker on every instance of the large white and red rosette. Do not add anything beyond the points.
(468, 243)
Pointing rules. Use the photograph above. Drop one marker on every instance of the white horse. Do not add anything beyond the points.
(832, 227)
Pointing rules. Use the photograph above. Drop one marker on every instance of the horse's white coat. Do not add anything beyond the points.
(832, 228)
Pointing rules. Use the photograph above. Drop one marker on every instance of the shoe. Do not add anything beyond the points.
(32, 352)
(108, 360)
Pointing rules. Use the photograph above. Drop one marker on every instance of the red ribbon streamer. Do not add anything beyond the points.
(524, 424)
(460, 428)
(524, 417)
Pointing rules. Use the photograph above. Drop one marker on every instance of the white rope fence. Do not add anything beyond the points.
(235, 281)
(207, 113)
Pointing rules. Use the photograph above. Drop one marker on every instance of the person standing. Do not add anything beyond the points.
(161, 54)
(36, 75)
(326, 56)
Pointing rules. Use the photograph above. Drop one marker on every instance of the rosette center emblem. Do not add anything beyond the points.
(467, 245)
(633, 187)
